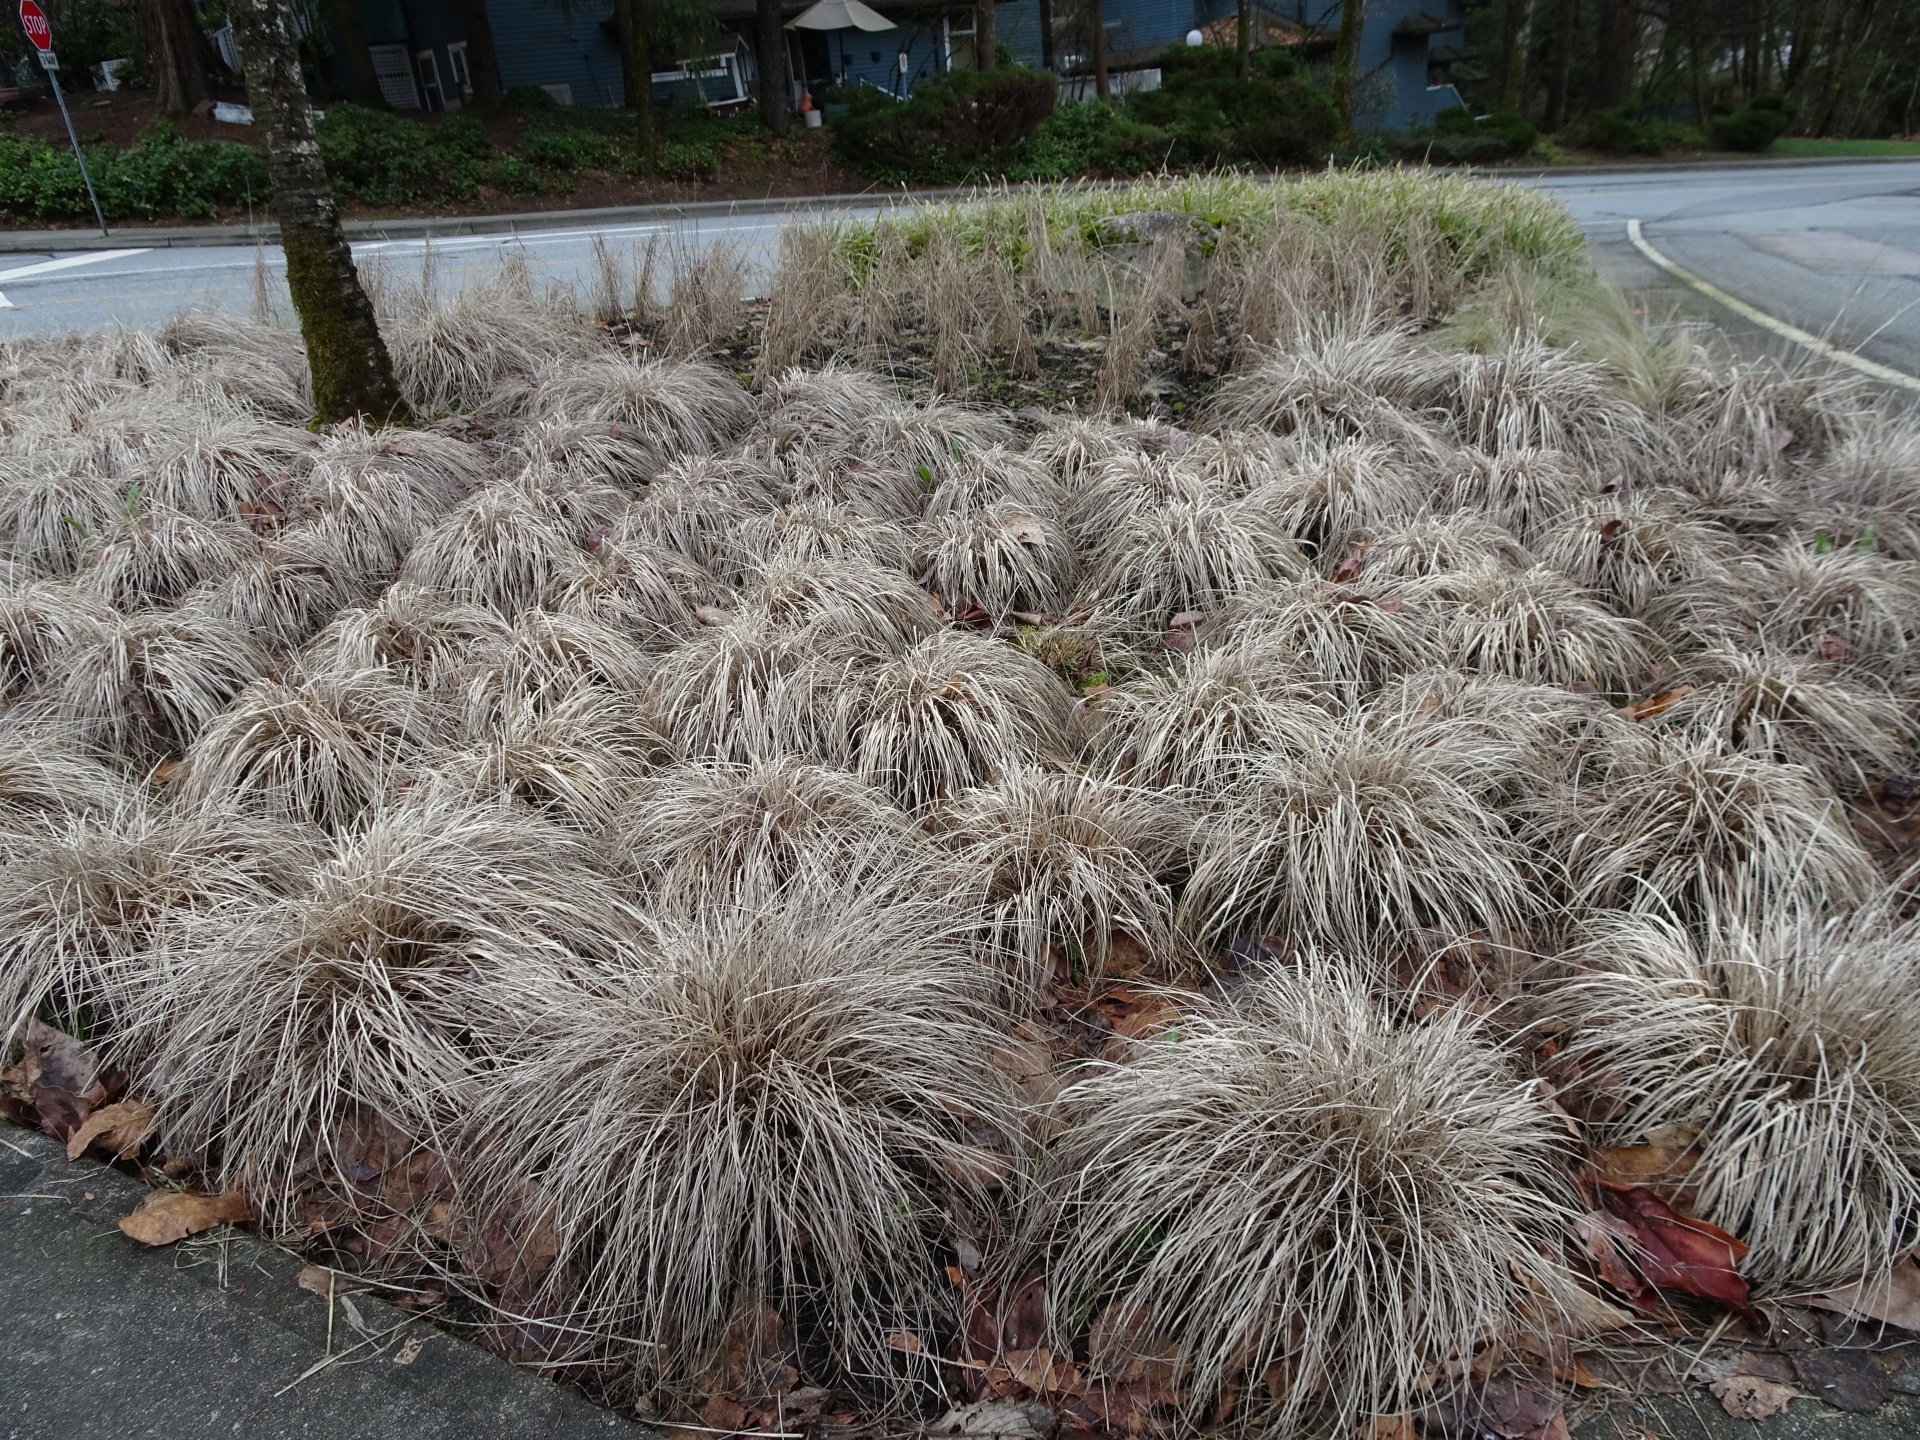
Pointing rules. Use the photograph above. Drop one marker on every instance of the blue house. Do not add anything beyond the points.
(419, 48)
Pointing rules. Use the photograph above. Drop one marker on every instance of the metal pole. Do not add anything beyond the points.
(61, 100)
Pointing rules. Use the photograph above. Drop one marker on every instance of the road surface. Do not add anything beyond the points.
(1831, 250)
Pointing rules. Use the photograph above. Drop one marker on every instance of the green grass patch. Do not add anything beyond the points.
(1489, 225)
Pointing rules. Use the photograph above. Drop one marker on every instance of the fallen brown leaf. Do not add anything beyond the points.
(1673, 1251)
(1659, 704)
(1892, 1298)
(123, 1126)
(169, 1215)
(1389, 1427)
(1751, 1397)
(1650, 1165)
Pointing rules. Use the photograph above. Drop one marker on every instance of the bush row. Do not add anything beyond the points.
(374, 158)
(967, 125)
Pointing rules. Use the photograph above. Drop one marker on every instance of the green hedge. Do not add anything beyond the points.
(1277, 116)
(960, 125)
(1459, 137)
(163, 174)
(378, 158)
(1755, 125)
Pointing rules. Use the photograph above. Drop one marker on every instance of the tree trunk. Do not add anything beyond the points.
(183, 61)
(1516, 30)
(770, 56)
(985, 40)
(1101, 85)
(1243, 39)
(1566, 19)
(636, 69)
(1346, 61)
(352, 374)
(483, 61)
(1046, 34)
(1619, 48)
(353, 36)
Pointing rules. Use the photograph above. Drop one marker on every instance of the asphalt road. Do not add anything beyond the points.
(1833, 250)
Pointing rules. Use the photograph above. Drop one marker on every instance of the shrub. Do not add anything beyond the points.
(1275, 117)
(381, 159)
(1625, 131)
(163, 174)
(566, 150)
(1088, 135)
(1755, 125)
(1459, 137)
(962, 124)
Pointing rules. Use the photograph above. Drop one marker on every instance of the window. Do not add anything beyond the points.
(457, 69)
(430, 79)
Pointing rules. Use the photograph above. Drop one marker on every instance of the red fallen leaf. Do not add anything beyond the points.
(1610, 528)
(120, 1128)
(1177, 640)
(1350, 567)
(1679, 1252)
(1835, 650)
(1188, 620)
(167, 1215)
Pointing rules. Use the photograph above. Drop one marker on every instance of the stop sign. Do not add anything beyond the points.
(34, 21)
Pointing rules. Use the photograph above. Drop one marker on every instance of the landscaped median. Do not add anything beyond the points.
(1205, 805)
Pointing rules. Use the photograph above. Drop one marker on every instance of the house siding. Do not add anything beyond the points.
(538, 45)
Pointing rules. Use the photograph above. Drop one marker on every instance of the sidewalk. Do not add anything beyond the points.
(434, 226)
(104, 1339)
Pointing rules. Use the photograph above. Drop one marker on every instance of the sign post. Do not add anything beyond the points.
(33, 20)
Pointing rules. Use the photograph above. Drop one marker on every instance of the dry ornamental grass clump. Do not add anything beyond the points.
(739, 822)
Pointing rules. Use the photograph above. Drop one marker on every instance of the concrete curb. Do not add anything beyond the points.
(431, 226)
(102, 1339)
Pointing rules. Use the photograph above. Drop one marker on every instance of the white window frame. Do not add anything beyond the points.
(427, 66)
(462, 72)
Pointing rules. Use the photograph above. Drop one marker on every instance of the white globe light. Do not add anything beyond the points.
(1194, 37)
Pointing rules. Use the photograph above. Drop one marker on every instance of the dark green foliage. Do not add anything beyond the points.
(959, 125)
(565, 151)
(1276, 117)
(1755, 125)
(1088, 137)
(379, 158)
(85, 32)
(161, 175)
(1459, 137)
(1625, 131)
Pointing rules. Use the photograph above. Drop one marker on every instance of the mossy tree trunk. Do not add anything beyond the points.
(1346, 61)
(1516, 32)
(770, 56)
(1243, 39)
(986, 39)
(483, 61)
(352, 374)
(183, 61)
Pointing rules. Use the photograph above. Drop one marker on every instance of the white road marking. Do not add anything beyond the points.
(43, 267)
(1884, 373)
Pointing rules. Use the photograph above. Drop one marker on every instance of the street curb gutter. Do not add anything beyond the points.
(100, 1337)
(16, 242)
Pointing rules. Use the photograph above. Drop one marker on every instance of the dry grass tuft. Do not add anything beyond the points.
(1682, 822)
(747, 689)
(1069, 864)
(786, 1118)
(143, 686)
(1535, 624)
(1213, 713)
(151, 557)
(1785, 1049)
(367, 496)
(572, 751)
(819, 530)
(845, 598)
(421, 636)
(951, 711)
(1190, 552)
(671, 407)
(747, 831)
(419, 947)
(44, 780)
(505, 549)
(1843, 725)
(1434, 545)
(80, 908)
(39, 623)
(1849, 606)
(321, 749)
(1352, 636)
(1368, 842)
(1304, 1207)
